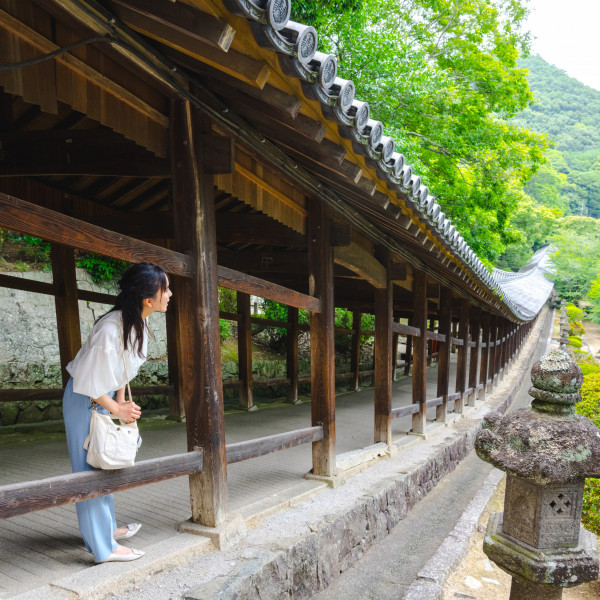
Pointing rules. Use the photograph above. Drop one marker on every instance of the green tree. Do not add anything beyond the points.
(533, 226)
(442, 76)
(575, 262)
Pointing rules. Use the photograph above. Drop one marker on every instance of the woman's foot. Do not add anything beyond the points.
(123, 533)
(123, 554)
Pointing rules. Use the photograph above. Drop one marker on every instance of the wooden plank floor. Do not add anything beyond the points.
(41, 547)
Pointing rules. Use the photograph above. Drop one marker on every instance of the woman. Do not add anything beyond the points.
(111, 357)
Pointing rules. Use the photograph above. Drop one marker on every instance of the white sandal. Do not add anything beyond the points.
(132, 529)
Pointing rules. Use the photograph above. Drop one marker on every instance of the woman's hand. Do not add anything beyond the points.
(128, 411)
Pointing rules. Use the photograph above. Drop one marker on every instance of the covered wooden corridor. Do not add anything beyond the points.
(213, 139)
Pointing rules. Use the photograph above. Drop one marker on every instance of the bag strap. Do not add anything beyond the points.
(126, 377)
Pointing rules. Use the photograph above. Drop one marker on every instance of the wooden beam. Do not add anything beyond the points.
(176, 22)
(322, 349)
(272, 443)
(67, 306)
(358, 260)
(52, 226)
(233, 63)
(398, 271)
(256, 228)
(28, 285)
(245, 351)
(269, 119)
(221, 159)
(261, 183)
(419, 377)
(199, 336)
(384, 300)
(96, 78)
(271, 96)
(31, 395)
(259, 287)
(90, 152)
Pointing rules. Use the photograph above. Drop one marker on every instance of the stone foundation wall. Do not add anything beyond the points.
(29, 355)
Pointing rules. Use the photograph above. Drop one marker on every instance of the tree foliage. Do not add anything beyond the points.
(442, 76)
(576, 257)
(567, 110)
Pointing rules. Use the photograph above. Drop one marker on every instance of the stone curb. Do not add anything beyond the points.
(301, 566)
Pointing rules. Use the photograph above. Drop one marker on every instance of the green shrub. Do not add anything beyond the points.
(574, 312)
(590, 407)
(225, 329)
(588, 369)
(101, 268)
(577, 328)
(575, 341)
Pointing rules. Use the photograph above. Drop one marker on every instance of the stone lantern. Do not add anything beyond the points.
(547, 452)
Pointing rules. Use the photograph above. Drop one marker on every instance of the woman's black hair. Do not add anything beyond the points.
(139, 282)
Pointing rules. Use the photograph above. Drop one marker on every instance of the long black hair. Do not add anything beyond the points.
(140, 281)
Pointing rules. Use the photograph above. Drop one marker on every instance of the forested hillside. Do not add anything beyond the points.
(569, 112)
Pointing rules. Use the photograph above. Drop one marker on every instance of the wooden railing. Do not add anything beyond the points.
(30, 496)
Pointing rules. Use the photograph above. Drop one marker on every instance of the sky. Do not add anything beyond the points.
(568, 36)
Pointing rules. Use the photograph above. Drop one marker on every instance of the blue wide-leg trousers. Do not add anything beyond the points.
(96, 516)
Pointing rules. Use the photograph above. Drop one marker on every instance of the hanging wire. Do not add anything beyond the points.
(59, 51)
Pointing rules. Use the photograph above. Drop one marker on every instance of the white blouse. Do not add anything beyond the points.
(98, 367)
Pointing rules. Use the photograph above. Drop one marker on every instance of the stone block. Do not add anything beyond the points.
(224, 536)
(564, 567)
(303, 562)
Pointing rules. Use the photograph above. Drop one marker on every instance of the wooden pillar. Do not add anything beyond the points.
(394, 355)
(461, 359)
(474, 358)
(355, 356)
(176, 405)
(498, 349)
(443, 375)
(322, 354)
(429, 345)
(198, 314)
(485, 354)
(384, 300)
(419, 376)
(292, 355)
(66, 304)
(409, 346)
(246, 400)
(493, 350)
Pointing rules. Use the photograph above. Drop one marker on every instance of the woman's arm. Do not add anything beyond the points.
(126, 411)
